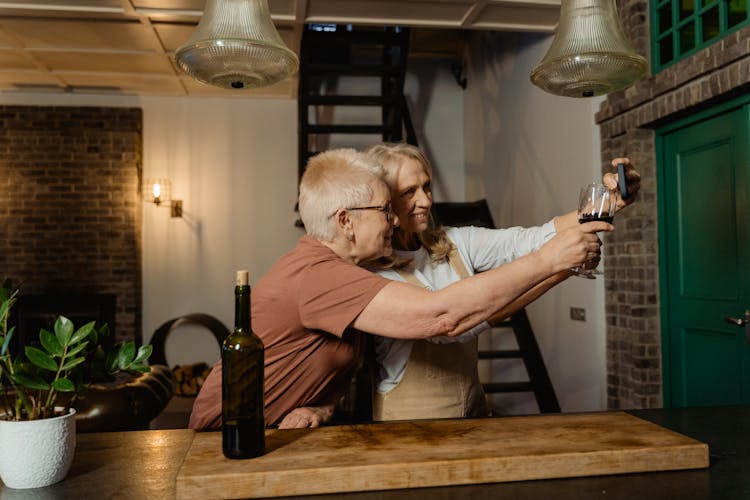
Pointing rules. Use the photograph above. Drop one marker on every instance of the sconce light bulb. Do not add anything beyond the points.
(157, 193)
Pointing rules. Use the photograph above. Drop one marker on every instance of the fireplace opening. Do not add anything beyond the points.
(33, 312)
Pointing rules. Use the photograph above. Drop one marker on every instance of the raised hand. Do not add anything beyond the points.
(632, 179)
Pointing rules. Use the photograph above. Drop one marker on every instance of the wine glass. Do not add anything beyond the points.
(596, 202)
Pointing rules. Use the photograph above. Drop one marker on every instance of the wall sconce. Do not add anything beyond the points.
(159, 192)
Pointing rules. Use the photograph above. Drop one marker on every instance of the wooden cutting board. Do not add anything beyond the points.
(435, 453)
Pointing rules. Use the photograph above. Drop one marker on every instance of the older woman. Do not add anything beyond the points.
(312, 306)
(438, 378)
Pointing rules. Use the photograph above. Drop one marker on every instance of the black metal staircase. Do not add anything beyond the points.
(330, 53)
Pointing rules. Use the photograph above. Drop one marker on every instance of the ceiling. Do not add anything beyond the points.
(127, 46)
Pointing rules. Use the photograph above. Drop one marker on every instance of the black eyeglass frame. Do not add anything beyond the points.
(387, 209)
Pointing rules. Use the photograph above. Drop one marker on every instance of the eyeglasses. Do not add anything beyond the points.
(386, 209)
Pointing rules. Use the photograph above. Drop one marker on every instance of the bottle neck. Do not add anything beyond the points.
(242, 308)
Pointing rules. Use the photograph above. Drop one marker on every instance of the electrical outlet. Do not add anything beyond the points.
(578, 314)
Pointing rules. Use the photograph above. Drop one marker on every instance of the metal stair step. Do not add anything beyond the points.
(495, 387)
(346, 129)
(348, 100)
(351, 69)
(377, 37)
(506, 354)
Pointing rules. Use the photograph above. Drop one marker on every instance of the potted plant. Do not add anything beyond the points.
(39, 386)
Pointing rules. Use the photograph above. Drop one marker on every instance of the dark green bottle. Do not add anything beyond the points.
(243, 429)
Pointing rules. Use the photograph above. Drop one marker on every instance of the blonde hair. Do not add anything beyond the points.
(335, 179)
(390, 156)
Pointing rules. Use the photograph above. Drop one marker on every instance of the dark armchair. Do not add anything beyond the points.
(135, 403)
(127, 404)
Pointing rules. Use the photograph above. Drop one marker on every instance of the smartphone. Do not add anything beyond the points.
(621, 180)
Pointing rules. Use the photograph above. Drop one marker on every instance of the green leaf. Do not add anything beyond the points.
(63, 330)
(5, 307)
(73, 363)
(77, 349)
(82, 332)
(125, 355)
(143, 353)
(6, 342)
(140, 368)
(50, 343)
(30, 381)
(105, 334)
(40, 358)
(110, 363)
(94, 336)
(63, 385)
(18, 364)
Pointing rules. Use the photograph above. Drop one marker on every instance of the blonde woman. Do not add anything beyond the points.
(437, 377)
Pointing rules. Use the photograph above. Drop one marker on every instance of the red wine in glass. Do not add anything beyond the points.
(596, 203)
(594, 218)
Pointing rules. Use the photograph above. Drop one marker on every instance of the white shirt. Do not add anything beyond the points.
(481, 249)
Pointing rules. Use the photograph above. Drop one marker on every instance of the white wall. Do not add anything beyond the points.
(234, 163)
(528, 153)
(436, 102)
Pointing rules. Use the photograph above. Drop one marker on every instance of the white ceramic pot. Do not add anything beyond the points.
(37, 453)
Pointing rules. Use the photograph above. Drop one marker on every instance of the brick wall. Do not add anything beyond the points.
(70, 206)
(627, 121)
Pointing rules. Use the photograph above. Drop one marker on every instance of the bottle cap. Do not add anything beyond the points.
(242, 278)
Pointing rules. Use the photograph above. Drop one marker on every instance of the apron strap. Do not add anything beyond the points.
(455, 260)
(457, 263)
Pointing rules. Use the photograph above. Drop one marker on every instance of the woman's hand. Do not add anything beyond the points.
(307, 416)
(632, 179)
(575, 245)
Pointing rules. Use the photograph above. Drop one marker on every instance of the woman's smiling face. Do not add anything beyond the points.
(411, 194)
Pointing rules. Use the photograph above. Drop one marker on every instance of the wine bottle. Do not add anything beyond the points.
(243, 429)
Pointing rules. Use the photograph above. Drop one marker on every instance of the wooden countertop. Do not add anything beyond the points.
(169, 464)
(132, 465)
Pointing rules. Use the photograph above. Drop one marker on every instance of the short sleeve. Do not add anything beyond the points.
(333, 293)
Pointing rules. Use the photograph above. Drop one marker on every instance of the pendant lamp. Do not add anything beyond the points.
(236, 46)
(590, 54)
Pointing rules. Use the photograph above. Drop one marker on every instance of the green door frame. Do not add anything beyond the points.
(661, 209)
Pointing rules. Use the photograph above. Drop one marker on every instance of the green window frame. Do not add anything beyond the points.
(680, 28)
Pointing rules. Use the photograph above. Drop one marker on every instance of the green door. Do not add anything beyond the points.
(705, 247)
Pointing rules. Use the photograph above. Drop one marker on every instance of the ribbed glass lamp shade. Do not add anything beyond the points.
(590, 54)
(236, 46)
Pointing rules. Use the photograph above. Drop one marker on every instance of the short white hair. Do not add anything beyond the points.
(335, 179)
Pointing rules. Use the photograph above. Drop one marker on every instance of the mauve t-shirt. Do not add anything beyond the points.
(301, 309)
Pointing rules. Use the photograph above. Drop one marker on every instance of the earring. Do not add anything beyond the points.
(350, 236)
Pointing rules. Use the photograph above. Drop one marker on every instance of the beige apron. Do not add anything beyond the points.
(440, 380)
